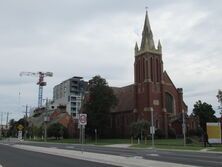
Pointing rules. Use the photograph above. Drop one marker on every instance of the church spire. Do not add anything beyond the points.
(159, 47)
(147, 36)
(136, 48)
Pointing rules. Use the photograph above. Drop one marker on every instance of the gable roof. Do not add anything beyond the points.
(167, 79)
(125, 96)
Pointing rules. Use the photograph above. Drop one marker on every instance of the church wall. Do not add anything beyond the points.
(150, 86)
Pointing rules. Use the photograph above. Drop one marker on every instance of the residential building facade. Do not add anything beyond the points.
(70, 93)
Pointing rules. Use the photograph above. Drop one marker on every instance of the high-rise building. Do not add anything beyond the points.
(70, 94)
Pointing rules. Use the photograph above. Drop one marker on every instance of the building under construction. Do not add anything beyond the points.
(70, 94)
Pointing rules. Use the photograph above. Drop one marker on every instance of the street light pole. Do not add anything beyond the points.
(152, 128)
(1, 125)
(184, 129)
(45, 129)
(26, 115)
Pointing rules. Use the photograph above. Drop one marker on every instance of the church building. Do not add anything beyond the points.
(152, 92)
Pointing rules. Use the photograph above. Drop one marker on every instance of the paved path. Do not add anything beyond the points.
(101, 158)
(207, 149)
(119, 145)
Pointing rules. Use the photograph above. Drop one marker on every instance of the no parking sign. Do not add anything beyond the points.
(82, 119)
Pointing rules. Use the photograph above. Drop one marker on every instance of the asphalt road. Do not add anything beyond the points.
(180, 157)
(12, 157)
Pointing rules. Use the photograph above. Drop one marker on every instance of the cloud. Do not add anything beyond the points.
(87, 38)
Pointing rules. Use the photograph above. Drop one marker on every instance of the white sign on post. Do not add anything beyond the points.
(152, 130)
(82, 119)
(20, 135)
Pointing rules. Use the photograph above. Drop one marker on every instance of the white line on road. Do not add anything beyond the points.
(138, 157)
(153, 155)
(53, 147)
(70, 147)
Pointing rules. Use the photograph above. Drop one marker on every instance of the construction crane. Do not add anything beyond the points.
(40, 82)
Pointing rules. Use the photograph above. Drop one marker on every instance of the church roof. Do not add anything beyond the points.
(125, 96)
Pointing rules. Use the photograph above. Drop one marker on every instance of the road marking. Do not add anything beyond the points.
(138, 157)
(1, 165)
(71, 147)
(53, 147)
(153, 155)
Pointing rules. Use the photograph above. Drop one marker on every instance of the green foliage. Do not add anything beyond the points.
(219, 97)
(189, 140)
(205, 113)
(100, 101)
(171, 133)
(195, 132)
(57, 130)
(140, 128)
(13, 126)
(36, 131)
(159, 134)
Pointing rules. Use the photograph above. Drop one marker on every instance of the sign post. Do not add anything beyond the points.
(82, 123)
(214, 132)
(152, 128)
(20, 127)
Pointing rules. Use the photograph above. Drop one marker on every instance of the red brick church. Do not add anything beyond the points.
(152, 90)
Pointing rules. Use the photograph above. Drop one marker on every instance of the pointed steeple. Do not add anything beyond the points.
(136, 48)
(159, 47)
(147, 36)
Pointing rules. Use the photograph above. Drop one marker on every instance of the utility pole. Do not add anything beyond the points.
(7, 120)
(46, 119)
(1, 125)
(184, 129)
(45, 128)
(25, 121)
(152, 128)
(26, 116)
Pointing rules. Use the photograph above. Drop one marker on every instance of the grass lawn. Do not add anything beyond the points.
(217, 147)
(88, 141)
(171, 144)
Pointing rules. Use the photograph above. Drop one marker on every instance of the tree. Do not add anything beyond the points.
(140, 129)
(13, 126)
(219, 97)
(57, 130)
(98, 104)
(205, 113)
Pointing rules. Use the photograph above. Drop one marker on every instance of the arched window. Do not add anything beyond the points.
(151, 68)
(157, 71)
(169, 103)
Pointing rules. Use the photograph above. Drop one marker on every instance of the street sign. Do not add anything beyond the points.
(20, 127)
(82, 119)
(20, 135)
(214, 132)
(152, 130)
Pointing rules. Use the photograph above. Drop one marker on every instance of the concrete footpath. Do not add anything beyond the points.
(101, 158)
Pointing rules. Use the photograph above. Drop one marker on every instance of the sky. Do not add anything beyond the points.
(96, 37)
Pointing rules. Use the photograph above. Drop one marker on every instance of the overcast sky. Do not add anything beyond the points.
(90, 37)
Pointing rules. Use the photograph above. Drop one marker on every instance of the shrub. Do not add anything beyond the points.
(171, 133)
(159, 134)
